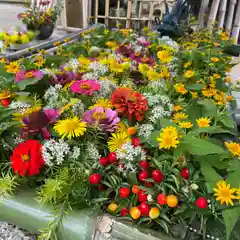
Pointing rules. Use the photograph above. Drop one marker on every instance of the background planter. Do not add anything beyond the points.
(45, 31)
(16, 46)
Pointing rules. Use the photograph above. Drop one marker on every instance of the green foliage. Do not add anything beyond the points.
(8, 184)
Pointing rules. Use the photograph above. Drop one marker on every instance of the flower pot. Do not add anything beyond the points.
(45, 31)
(17, 47)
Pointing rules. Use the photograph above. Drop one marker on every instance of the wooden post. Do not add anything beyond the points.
(150, 17)
(236, 25)
(96, 11)
(213, 13)
(222, 13)
(129, 13)
(139, 14)
(230, 16)
(202, 12)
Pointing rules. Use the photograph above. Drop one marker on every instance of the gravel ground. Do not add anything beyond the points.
(10, 232)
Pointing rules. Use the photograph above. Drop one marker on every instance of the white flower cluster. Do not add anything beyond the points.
(156, 84)
(90, 76)
(55, 152)
(92, 152)
(145, 130)
(75, 153)
(131, 155)
(98, 68)
(73, 64)
(78, 108)
(51, 96)
(158, 112)
(107, 87)
(19, 106)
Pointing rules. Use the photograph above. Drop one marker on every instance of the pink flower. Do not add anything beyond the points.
(25, 74)
(142, 41)
(85, 87)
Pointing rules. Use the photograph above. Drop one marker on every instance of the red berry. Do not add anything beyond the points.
(5, 102)
(136, 142)
(201, 202)
(101, 188)
(148, 184)
(144, 208)
(124, 212)
(142, 176)
(142, 196)
(124, 192)
(103, 161)
(144, 164)
(161, 199)
(157, 176)
(95, 178)
(185, 173)
(112, 157)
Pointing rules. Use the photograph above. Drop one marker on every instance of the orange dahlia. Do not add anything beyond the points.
(129, 103)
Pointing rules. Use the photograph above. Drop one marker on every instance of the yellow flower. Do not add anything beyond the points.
(194, 95)
(203, 122)
(187, 64)
(177, 117)
(5, 94)
(185, 124)
(111, 44)
(39, 61)
(102, 103)
(3, 60)
(224, 193)
(214, 59)
(180, 88)
(233, 147)
(164, 73)
(67, 106)
(227, 79)
(12, 67)
(168, 138)
(56, 43)
(164, 56)
(143, 68)
(153, 75)
(14, 38)
(229, 98)
(70, 127)
(177, 108)
(25, 39)
(217, 76)
(84, 61)
(122, 127)
(116, 141)
(116, 67)
(67, 39)
(189, 74)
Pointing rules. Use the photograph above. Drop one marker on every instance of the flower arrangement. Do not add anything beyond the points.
(135, 126)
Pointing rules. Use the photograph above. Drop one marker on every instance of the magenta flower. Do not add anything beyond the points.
(85, 87)
(25, 74)
(106, 119)
(142, 41)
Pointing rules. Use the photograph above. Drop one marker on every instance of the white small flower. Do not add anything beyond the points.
(92, 152)
(19, 106)
(145, 130)
(75, 153)
(194, 186)
(150, 198)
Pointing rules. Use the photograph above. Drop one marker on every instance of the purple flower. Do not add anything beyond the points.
(136, 57)
(125, 50)
(106, 119)
(25, 74)
(142, 41)
(62, 77)
(52, 114)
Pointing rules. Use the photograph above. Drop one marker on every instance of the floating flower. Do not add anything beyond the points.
(165, 56)
(12, 67)
(189, 74)
(168, 138)
(85, 87)
(22, 75)
(180, 88)
(203, 122)
(233, 147)
(27, 158)
(117, 140)
(70, 127)
(106, 119)
(224, 193)
(177, 117)
(129, 103)
(185, 124)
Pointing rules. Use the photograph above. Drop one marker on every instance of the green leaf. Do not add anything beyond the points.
(26, 82)
(210, 175)
(211, 130)
(153, 138)
(233, 177)
(227, 121)
(195, 87)
(230, 217)
(200, 147)
(209, 108)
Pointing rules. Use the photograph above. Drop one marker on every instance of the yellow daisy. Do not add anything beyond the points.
(12, 67)
(180, 88)
(203, 122)
(224, 193)
(177, 108)
(153, 75)
(194, 95)
(102, 103)
(143, 68)
(168, 138)
(214, 59)
(122, 127)
(5, 94)
(164, 56)
(116, 141)
(116, 67)
(177, 117)
(189, 74)
(70, 127)
(185, 124)
(233, 147)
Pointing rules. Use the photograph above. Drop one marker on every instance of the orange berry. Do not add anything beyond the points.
(112, 207)
(131, 130)
(172, 201)
(135, 213)
(154, 213)
(135, 189)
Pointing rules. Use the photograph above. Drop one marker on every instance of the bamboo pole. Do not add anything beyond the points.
(213, 13)
(151, 14)
(129, 12)
(202, 12)
(96, 11)
(230, 15)
(236, 25)
(222, 13)
(107, 4)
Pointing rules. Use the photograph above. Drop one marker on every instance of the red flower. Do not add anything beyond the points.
(27, 158)
(129, 103)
